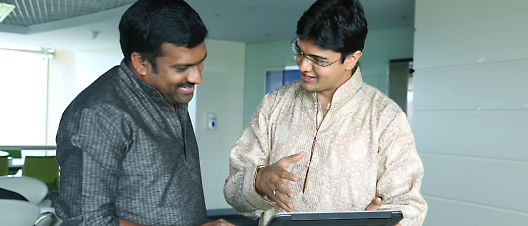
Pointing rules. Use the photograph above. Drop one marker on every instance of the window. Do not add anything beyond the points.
(278, 77)
(23, 97)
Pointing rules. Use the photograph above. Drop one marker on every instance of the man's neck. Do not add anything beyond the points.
(325, 97)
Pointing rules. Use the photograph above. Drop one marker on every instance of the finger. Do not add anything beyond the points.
(223, 222)
(287, 161)
(226, 223)
(373, 206)
(271, 188)
(283, 188)
(283, 201)
(218, 222)
(284, 174)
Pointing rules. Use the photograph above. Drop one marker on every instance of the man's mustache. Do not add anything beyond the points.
(185, 84)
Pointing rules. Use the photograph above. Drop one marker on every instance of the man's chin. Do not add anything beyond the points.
(183, 98)
(307, 87)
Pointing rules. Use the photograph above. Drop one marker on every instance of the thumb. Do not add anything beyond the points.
(286, 161)
(373, 206)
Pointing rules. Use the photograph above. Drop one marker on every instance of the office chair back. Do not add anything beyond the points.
(4, 165)
(44, 168)
(32, 189)
(19, 213)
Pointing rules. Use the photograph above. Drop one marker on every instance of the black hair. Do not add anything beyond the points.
(147, 24)
(337, 25)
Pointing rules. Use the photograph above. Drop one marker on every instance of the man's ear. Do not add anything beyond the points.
(351, 60)
(139, 63)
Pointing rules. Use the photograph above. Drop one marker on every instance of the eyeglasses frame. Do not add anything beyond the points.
(311, 60)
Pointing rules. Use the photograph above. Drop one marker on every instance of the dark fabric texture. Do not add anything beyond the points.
(124, 153)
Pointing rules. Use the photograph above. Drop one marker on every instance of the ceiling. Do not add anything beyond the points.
(82, 25)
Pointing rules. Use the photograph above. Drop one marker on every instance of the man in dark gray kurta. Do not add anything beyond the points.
(125, 155)
(125, 145)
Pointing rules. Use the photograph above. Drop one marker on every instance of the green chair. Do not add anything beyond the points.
(44, 168)
(4, 165)
(14, 153)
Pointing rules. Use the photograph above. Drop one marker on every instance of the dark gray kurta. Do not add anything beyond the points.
(124, 153)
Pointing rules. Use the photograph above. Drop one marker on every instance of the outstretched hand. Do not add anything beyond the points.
(373, 206)
(270, 181)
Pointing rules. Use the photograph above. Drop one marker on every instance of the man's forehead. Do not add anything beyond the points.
(183, 56)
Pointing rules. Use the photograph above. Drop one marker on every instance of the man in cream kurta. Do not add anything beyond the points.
(327, 142)
(362, 148)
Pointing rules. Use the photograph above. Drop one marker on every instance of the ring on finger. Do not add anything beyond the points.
(274, 191)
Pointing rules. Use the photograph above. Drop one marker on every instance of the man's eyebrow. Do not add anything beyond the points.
(189, 65)
(317, 56)
(311, 55)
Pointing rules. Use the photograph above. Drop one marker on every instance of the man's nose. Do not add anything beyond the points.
(195, 76)
(305, 65)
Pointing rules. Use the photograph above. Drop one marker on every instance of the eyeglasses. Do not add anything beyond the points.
(299, 55)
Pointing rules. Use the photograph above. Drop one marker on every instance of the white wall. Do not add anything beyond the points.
(221, 92)
(89, 65)
(382, 46)
(61, 89)
(471, 110)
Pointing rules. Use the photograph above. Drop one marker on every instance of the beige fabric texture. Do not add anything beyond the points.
(364, 147)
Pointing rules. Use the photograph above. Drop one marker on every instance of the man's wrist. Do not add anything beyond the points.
(259, 167)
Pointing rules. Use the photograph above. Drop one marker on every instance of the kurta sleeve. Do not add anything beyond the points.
(400, 172)
(250, 151)
(90, 148)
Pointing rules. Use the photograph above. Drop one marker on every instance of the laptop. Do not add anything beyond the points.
(352, 218)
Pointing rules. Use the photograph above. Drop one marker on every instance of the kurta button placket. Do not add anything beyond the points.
(154, 93)
(175, 125)
(167, 110)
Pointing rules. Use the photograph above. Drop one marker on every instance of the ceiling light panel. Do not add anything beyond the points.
(33, 12)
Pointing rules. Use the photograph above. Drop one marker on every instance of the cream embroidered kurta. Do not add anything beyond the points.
(362, 148)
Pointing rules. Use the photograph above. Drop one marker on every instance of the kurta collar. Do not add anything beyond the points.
(348, 90)
(134, 80)
(344, 92)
